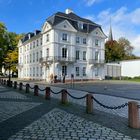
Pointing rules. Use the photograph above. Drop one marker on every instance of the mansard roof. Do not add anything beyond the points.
(88, 25)
(74, 20)
(30, 35)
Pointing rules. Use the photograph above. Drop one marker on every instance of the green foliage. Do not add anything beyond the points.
(118, 50)
(8, 48)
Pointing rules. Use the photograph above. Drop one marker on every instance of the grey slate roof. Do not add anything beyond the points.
(88, 25)
(31, 34)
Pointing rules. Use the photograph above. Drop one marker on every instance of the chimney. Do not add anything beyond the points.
(68, 11)
(29, 36)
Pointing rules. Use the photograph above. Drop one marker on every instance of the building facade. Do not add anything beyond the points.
(66, 45)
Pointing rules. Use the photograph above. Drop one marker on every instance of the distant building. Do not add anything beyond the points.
(110, 36)
(127, 68)
(67, 44)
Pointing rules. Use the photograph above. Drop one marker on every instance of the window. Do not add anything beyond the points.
(96, 55)
(37, 56)
(40, 71)
(30, 46)
(96, 72)
(27, 47)
(96, 42)
(64, 70)
(47, 52)
(37, 43)
(30, 58)
(47, 38)
(84, 55)
(40, 54)
(27, 59)
(34, 44)
(64, 52)
(80, 25)
(77, 55)
(30, 71)
(77, 39)
(41, 41)
(77, 71)
(20, 50)
(36, 71)
(33, 71)
(33, 57)
(84, 41)
(64, 37)
(84, 71)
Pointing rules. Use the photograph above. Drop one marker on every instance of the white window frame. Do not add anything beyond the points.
(64, 70)
(64, 52)
(84, 71)
(77, 71)
(65, 37)
(77, 55)
(84, 55)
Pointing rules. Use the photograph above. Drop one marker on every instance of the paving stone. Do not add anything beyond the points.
(56, 125)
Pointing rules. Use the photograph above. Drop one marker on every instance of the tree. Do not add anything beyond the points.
(11, 58)
(113, 51)
(128, 48)
(119, 50)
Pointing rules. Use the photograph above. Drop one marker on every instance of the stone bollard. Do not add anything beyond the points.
(27, 88)
(64, 98)
(36, 90)
(133, 114)
(47, 94)
(89, 103)
(20, 86)
(15, 84)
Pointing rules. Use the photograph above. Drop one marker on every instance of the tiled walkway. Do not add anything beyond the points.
(25, 117)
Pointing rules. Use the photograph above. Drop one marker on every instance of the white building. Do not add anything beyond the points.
(67, 44)
(127, 68)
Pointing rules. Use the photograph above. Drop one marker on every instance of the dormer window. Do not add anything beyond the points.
(65, 26)
(80, 25)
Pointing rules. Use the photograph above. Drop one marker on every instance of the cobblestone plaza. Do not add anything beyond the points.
(25, 117)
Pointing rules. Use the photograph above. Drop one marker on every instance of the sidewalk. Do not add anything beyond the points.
(27, 117)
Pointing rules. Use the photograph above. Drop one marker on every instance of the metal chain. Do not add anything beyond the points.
(76, 97)
(110, 107)
(31, 87)
(56, 92)
(23, 85)
(41, 89)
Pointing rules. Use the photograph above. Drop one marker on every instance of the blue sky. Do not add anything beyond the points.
(22, 16)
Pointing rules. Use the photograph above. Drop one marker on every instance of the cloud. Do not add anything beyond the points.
(124, 24)
(91, 2)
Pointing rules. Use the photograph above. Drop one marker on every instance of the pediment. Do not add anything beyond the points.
(98, 33)
(65, 25)
(46, 27)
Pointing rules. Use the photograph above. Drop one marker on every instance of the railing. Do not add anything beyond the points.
(95, 61)
(57, 59)
(133, 107)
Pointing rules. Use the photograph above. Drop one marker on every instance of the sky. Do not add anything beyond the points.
(22, 16)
